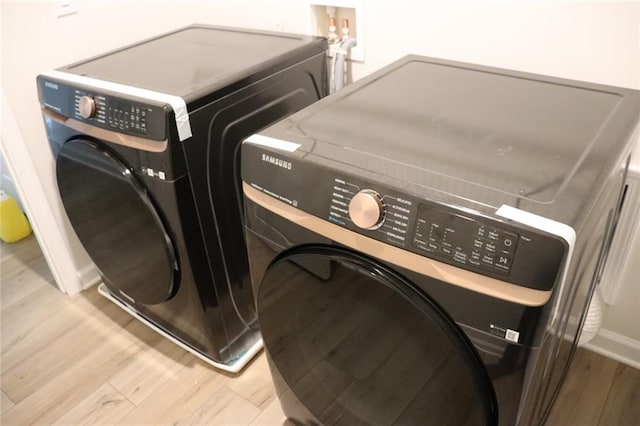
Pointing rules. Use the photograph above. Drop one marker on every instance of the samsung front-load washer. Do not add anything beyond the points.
(146, 140)
(423, 243)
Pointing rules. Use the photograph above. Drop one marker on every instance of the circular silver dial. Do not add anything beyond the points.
(87, 106)
(366, 209)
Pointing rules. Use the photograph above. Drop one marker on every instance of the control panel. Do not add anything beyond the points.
(445, 235)
(464, 240)
(116, 114)
(119, 113)
(492, 246)
(451, 235)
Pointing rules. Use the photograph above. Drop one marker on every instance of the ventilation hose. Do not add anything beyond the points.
(339, 57)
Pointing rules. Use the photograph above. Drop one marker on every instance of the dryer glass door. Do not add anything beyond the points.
(116, 222)
(365, 346)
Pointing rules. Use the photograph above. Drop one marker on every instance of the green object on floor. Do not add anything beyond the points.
(14, 225)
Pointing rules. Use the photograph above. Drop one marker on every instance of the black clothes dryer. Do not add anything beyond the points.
(423, 244)
(146, 140)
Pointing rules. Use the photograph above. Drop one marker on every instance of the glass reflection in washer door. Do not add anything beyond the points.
(366, 347)
(115, 219)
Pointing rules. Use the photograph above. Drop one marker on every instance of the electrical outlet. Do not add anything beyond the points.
(350, 10)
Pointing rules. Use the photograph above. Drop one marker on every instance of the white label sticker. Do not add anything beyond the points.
(512, 335)
(273, 143)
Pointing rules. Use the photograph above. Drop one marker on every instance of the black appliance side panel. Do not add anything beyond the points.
(213, 163)
(183, 316)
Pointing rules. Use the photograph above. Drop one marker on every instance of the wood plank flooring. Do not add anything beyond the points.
(81, 360)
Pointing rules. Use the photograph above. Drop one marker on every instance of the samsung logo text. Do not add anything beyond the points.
(276, 161)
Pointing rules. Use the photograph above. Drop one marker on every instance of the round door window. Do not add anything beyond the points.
(116, 222)
(365, 346)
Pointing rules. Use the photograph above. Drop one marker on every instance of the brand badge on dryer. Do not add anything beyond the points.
(276, 161)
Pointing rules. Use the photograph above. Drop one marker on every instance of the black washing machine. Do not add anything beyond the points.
(423, 243)
(146, 142)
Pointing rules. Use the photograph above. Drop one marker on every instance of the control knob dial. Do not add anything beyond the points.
(366, 209)
(87, 107)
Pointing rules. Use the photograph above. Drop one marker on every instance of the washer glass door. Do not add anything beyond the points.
(116, 222)
(365, 346)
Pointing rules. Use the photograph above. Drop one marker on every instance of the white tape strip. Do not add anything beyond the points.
(539, 222)
(562, 230)
(176, 102)
(273, 143)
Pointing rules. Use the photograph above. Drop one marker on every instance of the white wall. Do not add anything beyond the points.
(592, 41)
(623, 317)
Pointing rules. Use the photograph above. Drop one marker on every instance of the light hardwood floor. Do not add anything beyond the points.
(81, 360)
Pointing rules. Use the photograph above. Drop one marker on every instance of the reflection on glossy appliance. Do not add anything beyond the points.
(146, 141)
(423, 243)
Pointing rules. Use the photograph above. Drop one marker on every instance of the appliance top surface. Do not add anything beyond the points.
(421, 120)
(188, 60)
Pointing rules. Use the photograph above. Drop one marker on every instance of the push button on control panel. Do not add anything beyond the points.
(503, 262)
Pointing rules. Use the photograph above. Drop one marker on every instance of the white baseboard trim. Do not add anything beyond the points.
(616, 346)
(89, 276)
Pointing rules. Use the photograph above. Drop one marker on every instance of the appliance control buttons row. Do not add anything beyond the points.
(490, 261)
(461, 239)
(496, 236)
(128, 117)
(505, 245)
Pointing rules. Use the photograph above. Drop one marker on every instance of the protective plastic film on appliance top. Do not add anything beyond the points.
(481, 133)
(173, 62)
